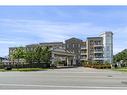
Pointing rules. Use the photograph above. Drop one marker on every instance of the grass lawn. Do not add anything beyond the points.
(122, 69)
(25, 69)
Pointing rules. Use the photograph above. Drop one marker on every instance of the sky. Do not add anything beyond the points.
(22, 25)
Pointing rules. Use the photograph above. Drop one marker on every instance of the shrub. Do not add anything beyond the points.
(98, 65)
(1, 66)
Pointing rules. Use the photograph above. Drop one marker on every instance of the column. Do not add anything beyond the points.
(67, 60)
(53, 58)
(74, 60)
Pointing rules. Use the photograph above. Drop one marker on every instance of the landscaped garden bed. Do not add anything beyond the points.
(97, 65)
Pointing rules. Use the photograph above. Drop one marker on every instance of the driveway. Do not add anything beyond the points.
(69, 78)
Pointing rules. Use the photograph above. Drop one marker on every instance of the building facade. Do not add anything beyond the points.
(108, 46)
(74, 45)
(99, 49)
(74, 51)
(58, 53)
(54, 44)
(95, 49)
(84, 53)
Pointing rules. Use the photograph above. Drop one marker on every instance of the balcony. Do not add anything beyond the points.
(83, 47)
(98, 58)
(98, 51)
(83, 58)
(83, 53)
(98, 45)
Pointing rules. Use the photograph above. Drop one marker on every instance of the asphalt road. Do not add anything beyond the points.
(71, 78)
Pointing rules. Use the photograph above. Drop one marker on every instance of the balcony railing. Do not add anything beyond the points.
(83, 53)
(83, 58)
(83, 47)
(98, 45)
(99, 58)
(98, 51)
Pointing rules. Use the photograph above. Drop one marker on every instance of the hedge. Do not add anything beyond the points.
(34, 65)
(98, 66)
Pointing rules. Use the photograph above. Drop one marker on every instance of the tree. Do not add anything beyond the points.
(30, 56)
(18, 53)
(45, 55)
(120, 56)
(38, 54)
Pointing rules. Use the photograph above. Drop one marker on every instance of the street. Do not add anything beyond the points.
(69, 78)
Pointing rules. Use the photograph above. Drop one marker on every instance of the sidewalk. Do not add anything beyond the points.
(60, 67)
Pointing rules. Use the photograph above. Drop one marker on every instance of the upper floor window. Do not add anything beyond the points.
(79, 45)
(73, 45)
(67, 46)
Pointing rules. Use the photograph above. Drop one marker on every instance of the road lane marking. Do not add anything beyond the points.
(56, 86)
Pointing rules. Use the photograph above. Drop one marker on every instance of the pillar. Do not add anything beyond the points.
(67, 61)
(74, 60)
(53, 58)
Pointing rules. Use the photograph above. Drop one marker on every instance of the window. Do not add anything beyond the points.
(108, 48)
(79, 45)
(73, 45)
(67, 45)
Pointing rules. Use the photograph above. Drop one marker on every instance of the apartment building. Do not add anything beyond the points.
(95, 49)
(99, 49)
(58, 52)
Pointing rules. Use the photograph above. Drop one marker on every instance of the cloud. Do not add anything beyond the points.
(7, 42)
(21, 32)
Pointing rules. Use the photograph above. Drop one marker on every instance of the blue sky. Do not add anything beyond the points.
(21, 25)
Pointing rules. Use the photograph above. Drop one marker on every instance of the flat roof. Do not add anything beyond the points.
(52, 43)
(107, 32)
(94, 37)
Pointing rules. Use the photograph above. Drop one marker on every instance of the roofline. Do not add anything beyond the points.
(51, 43)
(73, 38)
(106, 32)
(93, 37)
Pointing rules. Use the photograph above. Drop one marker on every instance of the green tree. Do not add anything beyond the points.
(45, 55)
(18, 53)
(120, 56)
(38, 55)
(30, 56)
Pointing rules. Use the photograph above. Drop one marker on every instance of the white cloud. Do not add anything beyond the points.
(56, 31)
(7, 42)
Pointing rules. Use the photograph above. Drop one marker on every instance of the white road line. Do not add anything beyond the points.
(55, 86)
